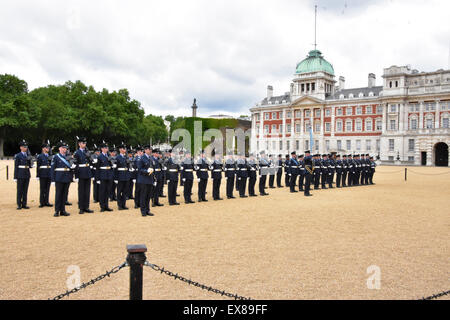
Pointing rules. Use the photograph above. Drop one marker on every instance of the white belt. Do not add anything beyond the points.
(243, 169)
(229, 169)
(105, 168)
(203, 169)
(83, 165)
(332, 167)
(44, 167)
(157, 170)
(23, 167)
(188, 170)
(252, 169)
(217, 170)
(122, 169)
(173, 170)
(62, 169)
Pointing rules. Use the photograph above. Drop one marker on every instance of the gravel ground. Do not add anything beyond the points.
(283, 246)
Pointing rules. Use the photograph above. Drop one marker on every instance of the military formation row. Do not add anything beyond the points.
(141, 175)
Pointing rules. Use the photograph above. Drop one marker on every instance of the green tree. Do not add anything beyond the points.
(17, 113)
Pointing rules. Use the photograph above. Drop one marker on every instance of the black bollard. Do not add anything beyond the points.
(136, 258)
(406, 169)
(7, 172)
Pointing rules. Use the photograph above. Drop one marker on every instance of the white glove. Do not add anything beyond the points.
(131, 170)
(73, 166)
(290, 175)
(150, 170)
(134, 180)
(164, 168)
(198, 179)
(239, 178)
(75, 180)
(114, 166)
(184, 179)
(116, 182)
(15, 180)
(37, 178)
(155, 183)
(94, 161)
(92, 178)
(53, 183)
(98, 181)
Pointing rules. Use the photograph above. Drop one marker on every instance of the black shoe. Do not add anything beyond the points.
(204, 200)
(88, 211)
(95, 201)
(136, 206)
(243, 196)
(308, 195)
(56, 214)
(163, 196)
(150, 214)
(81, 212)
(48, 205)
(174, 204)
(157, 205)
(120, 208)
(19, 208)
(252, 195)
(65, 214)
(144, 214)
(131, 198)
(106, 209)
(187, 202)
(294, 191)
(272, 187)
(68, 204)
(41, 206)
(301, 189)
(178, 195)
(25, 207)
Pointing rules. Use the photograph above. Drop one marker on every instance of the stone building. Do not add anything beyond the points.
(404, 121)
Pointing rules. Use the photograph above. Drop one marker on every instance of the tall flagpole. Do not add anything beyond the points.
(315, 28)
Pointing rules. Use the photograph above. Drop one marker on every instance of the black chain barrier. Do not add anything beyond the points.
(196, 284)
(85, 284)
(435, 296)
(428, 174)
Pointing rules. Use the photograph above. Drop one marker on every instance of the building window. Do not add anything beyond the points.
(274, 128)
(327, 144)
(266, 129)
(281, 128)
(274, 145)
(368, 145)
(313, 86)
(339, 126)
(306, 144)
(287, 145)
(274, 115)
(379, 109)
(369, 110)
(369, 125)
(359, 110)
(298, 114)
(281, 145)
(411, 159)
(349, 145)
(288, 114)
(307, 113)
(266, 116)
(391, 158)
(303, 87)
(349, 111)
(358, 145)
(328, 112)
(339, 111)
(307, 126)
(316, 145)
(339, 144)
(297, 145)
(257, 145)
(327, 127)
(267, 145)
(393, 108)
(379, 125)
(392, 125)
(358, 125)
(317, 127)
(257, 117)
(317, 111)
(391, 144)
(429, 123)
(288, 127)
(410, 145)
(257, 129)
(445, 123)
(297, 127)
(348, 125)
(413, 124)
(378, 144)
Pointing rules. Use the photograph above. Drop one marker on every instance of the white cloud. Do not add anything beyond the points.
(224, 53)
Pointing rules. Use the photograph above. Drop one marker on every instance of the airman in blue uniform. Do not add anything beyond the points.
(22, 165)
(43, 165)
(172, 179)
(187, 176)
(308, 164)
(252, 174)
(286, 171)
(201, 169)
(122, 177)
(146, 179)
(137, 184)
(293, 171)
(263, 172)
(61, 174)
(104, 176)
(83, 174)
(339, 170)
(230, 173)
(242, 174)
(301, 173)
(159, 178)
(279, 170)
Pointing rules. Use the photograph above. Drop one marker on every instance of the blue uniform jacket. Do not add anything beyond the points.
(104, 170)
(121, 172)
(43, 165)
(144, 163)
(22, 166)
(293, 167)
(83, 168)
(60, 170)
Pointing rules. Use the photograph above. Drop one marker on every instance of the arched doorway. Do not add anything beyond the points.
(441, 154)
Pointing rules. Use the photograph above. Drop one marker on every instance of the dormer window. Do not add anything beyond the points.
(370, 94)
(361, 95)
(350, 95)
(341, 96)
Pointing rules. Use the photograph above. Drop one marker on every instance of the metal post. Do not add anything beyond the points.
(406, 170)
(136, 258)
(7, 172)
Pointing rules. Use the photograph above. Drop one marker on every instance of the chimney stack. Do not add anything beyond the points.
(269, 92)
(341, 83)
(372, 80)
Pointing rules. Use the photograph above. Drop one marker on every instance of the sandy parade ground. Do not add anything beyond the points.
(283, 246)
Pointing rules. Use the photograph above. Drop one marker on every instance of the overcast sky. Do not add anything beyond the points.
(224, 53)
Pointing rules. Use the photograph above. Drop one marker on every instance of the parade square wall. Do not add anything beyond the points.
(283, 246)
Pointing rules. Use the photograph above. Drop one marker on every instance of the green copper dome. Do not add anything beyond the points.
(313, 63)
